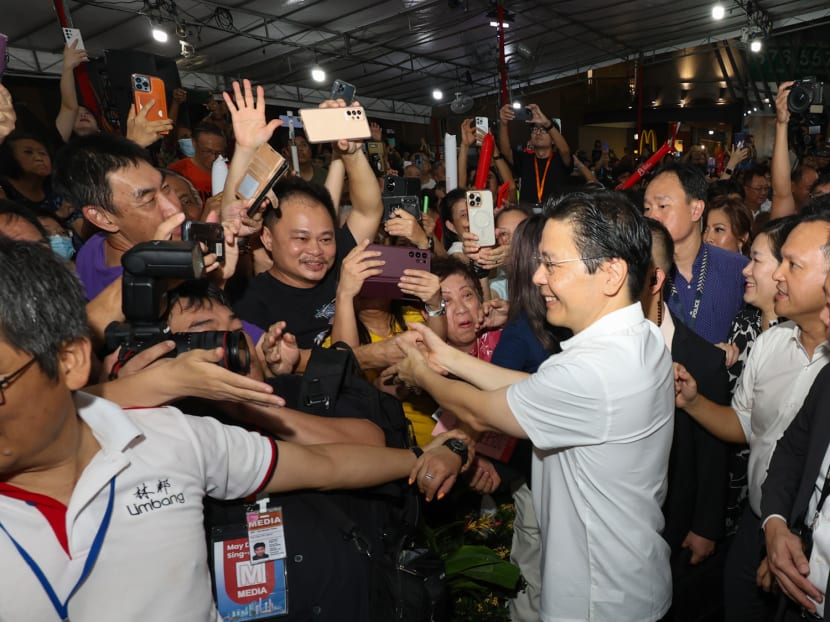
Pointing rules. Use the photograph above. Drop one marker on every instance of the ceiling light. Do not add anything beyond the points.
(437, 94)
(159, 35)
(756, 45)
(636, 136)
(718, 11)
(754, 109)
(517, 105)
(711, 132)
(317, 74)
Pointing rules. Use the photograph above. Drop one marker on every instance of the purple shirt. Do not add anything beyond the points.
(723, 294)
(95, 275)
(92, 268)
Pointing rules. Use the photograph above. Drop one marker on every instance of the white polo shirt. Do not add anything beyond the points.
(775, 380)
(153, 562)
(600, 415)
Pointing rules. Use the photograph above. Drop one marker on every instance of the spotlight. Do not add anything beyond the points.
(718, 12)
(517, 105)
(711, 132)
(636, 136)
(495, 24)
(437, 94)
(756, 45)
(317, 74)
(159, 35)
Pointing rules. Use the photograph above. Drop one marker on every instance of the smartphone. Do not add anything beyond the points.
(4, 42)
(211, 234)
(377, 158)
(480, 216)
(73, 34)
(342, 90)
(408, 203)
(523, 114)
(482, 128)
(329, 124)
(265, 170)
(739, 139)
(398, 259)
(395, 186)
(146, 88)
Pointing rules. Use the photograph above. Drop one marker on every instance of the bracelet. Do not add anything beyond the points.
(417, 451)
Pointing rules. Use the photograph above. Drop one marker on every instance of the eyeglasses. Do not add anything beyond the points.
(550, 264)
(6, 382)
(536, 128)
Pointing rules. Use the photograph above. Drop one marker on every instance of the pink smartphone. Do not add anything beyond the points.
(398, 259)
(329, 124)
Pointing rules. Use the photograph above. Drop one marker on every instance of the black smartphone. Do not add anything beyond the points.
(342, 90)
(211, 234)
(395, 186)
(523, 114)
(406, 203)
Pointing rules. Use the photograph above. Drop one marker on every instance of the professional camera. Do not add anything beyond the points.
(147, 269)
(804, 94)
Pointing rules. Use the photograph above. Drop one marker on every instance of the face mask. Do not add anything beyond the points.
(62, 246)
(186, 145)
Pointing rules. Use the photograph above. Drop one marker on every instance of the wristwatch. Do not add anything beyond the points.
(728, 171)
(441, 310)
(549, 127)
(417, 451)
(457, 447)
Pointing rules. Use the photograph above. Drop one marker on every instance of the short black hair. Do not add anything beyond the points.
(206, 128)
(690, 176)
(42, 303)
(83, 167)
(297, 187)
(444, 267)
(661, 239)
(196, 294)
(777, 231)
(606, 226)
(16, 210)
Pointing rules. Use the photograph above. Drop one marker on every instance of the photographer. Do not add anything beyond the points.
(788, 195)
(85, 485)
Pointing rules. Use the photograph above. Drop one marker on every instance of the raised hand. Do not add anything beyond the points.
(248, 115)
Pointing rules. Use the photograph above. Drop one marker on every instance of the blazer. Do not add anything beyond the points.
(698, 479)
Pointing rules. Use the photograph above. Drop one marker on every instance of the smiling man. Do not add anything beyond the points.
(599, 414)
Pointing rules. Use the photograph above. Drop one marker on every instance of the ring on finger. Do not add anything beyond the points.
(428, 476)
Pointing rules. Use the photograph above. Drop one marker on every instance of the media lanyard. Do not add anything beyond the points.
(540, 185)
(701, 282)
(62, 608)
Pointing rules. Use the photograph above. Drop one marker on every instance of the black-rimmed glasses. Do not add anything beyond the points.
(7, 381)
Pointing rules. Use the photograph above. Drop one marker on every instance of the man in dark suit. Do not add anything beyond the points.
(794, 493)
(697, 486)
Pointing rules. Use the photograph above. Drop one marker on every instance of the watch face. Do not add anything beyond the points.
(456, 445)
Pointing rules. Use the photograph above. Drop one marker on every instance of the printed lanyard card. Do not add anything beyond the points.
(246, 590)
(266, 537)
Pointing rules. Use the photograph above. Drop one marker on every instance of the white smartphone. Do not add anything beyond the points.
(482, 127)
(480, 216)
(73, 34)
(330, 124)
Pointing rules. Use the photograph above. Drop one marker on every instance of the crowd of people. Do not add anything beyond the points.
(641, 370)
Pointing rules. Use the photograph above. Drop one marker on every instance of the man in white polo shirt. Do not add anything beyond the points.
(599, 414)
(101, 508)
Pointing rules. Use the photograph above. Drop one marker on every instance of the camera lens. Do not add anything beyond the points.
(799, 99)
(237, 355)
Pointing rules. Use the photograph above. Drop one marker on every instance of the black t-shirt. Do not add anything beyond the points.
(306, 311)
(554, 181)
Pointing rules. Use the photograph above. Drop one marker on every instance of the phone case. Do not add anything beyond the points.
(398, 259)
(343, 90)
(480, 215)
(482, 127)
(146, 88)
(210, 233)
(263, 172)
(523, 114)
(71, 34)
(329, 124)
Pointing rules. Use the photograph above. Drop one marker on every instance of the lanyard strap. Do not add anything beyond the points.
(62, 608)
(540, 185)
(701, 282)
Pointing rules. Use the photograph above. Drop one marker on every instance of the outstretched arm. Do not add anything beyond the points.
(65, 121)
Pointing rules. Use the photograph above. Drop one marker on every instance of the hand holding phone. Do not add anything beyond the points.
(333, 124)
(481, 217)
(145, 89)
(211, 234)
(73, 34)
(523, 114)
